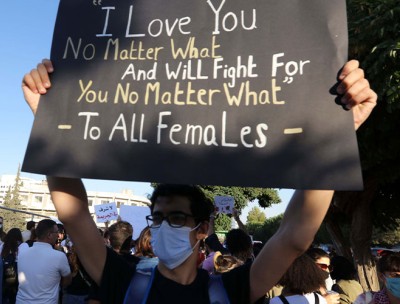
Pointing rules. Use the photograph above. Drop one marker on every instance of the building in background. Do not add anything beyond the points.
(35, 196)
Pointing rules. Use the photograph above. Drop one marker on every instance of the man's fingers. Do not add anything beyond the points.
(363, 110)
(44, 75)
(48, 64)
(30, 83)
(38, 81)
(349, 80)
(348, 68)
(356, 94)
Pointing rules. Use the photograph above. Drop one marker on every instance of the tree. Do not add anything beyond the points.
(373, 30)
(386, 238)
(264, 231)
(256, 216)
(222, 222)
(13, 201)
(242, 195)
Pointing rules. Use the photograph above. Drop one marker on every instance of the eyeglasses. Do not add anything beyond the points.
(325, 266)
(174, 219)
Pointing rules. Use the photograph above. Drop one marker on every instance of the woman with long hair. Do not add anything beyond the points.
(144, 251)
(9, 257)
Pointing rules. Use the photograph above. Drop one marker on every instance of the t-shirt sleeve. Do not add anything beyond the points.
(208, 263)
(64, 265)
(237, 285)
(115, 280)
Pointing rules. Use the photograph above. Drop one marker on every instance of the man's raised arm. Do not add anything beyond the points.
(69, 195)
(308, 208)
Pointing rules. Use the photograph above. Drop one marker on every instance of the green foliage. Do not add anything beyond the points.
(256, 216)
(242, 195)
(374, 28)
(12, 200)
(222, 222)
(266, 197)
(264, 231)
(374, 32)
(386, 238)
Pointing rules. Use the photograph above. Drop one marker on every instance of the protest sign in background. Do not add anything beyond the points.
(204, 92)
(224, 204)
(136, 216)
(106, 212)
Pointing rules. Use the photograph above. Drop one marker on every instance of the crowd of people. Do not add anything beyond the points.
(41, 265)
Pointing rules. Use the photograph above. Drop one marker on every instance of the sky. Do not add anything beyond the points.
(26, 29)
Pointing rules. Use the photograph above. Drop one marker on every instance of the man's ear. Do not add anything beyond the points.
(202, 231)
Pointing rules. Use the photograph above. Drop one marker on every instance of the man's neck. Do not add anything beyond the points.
(184, 274)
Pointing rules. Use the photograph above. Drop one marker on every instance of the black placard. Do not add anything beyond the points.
(206, 92)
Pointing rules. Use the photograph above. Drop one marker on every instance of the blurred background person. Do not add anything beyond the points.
(344, 274)
(9, 255)
(389, 275)
(323, 260)
(26, 234)
(301, 283)
(144, 251)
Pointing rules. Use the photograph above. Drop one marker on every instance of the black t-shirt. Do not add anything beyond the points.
(117, 275)
(164, 288)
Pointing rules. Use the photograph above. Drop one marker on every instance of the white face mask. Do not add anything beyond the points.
(172, 245)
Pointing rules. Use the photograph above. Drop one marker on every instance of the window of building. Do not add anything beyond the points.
(37, 199)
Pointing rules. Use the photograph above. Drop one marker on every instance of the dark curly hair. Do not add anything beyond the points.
(317, 253)
(303, 276)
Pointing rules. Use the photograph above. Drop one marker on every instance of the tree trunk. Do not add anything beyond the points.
(337, 238)
(361, 233)
(357, 205)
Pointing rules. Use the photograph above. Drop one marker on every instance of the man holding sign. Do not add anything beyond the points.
(182, 213)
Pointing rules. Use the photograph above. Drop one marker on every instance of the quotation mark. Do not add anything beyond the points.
(288, 80)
